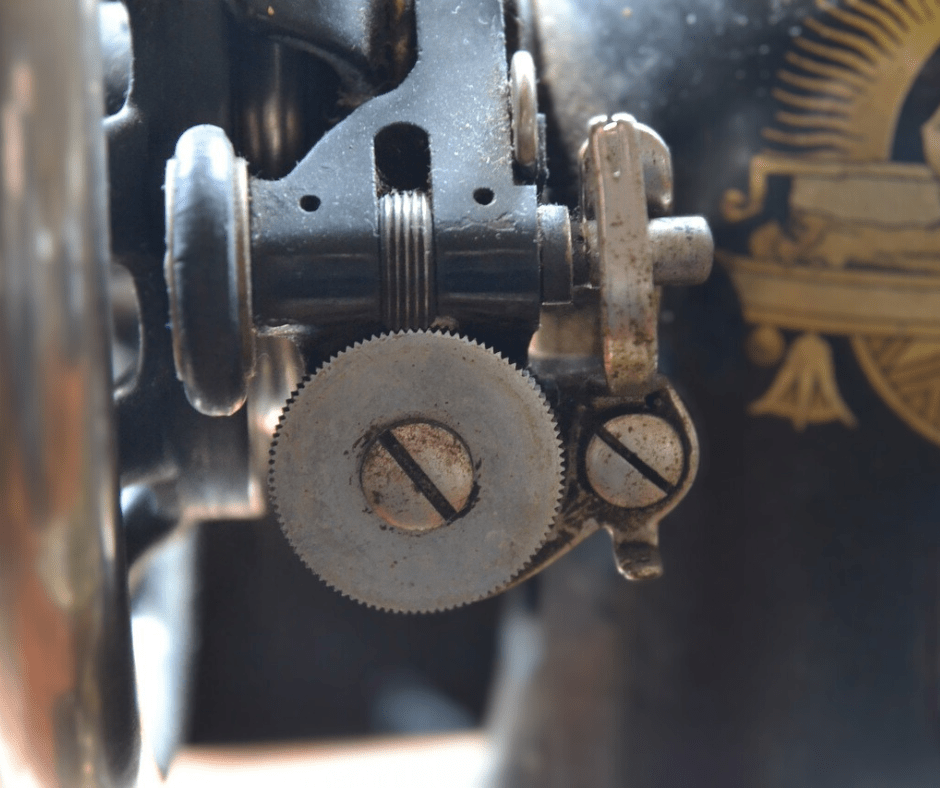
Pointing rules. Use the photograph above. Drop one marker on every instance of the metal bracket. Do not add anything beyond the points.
(626, 175)
(616, 196)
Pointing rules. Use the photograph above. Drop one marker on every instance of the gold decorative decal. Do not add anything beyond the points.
(855, 249)
(805, 390)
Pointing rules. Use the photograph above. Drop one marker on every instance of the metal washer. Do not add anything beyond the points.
(500, 415)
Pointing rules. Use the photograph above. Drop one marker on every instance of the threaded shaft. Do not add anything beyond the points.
(408, 298)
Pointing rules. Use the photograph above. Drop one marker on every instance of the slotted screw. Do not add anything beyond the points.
(417, 476)
(635, 460)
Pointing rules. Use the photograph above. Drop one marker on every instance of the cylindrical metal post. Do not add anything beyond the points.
(68, 713)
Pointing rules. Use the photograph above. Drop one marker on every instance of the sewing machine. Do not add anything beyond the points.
(329, 326)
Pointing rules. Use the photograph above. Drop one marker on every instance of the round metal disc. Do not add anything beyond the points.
(328, 427)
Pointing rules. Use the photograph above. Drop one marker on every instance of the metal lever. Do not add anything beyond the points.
(626, 168)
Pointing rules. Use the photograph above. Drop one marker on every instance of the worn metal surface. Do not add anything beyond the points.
(793, 637)
(634, 531)
(411, 213)
(185, 466)
(417, 476)
(68, 714)
(615, 191)
(207, 270)
(627, 477)
(626, 177)
(634, 460)
(657, 169)
(198, 467)
(682, 250)
(502, 420)
(319, 267)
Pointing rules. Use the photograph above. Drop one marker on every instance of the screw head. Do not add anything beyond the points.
(635, 460)
(417, 476)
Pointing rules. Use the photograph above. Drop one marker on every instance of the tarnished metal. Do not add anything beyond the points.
(634, 531)
(615, 189)
(657, 166)
(785, 576)
(329, 428)
(525, 124)
(322, 267)
(626, 176)
(682, 250)
(418, 476)
(422, 207)
(633, 453)
(556, 251)
(634, 460)
(406, 236)
(68, 714)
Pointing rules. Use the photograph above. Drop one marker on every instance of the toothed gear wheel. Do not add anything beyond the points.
(417, 471)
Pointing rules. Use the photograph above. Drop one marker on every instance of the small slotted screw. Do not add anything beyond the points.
(635, 460)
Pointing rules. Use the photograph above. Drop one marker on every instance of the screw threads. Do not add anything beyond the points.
(405, 226)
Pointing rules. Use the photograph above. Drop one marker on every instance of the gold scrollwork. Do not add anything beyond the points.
(857, 250)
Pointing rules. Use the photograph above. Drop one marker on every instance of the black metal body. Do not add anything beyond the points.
(315, 243)
(321, 266)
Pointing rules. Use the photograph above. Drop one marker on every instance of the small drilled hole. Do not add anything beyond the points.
(310, 202)
(402, 159)
(484, 196)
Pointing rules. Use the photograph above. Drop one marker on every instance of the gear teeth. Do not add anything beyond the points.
(562, 477)
(558, 471)
(272, 450)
